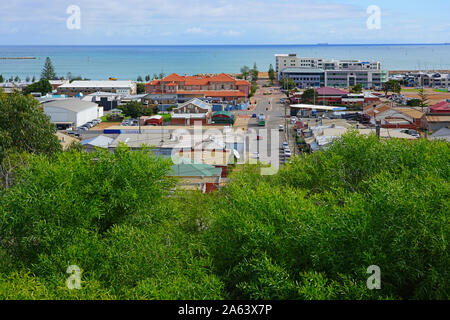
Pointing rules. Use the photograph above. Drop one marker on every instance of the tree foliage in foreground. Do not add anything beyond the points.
(309, 232)
(24, 127)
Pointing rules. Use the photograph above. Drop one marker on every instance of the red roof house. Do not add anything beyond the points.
(441, 107)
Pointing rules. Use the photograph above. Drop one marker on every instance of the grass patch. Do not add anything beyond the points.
(166, 117)
(410, 90)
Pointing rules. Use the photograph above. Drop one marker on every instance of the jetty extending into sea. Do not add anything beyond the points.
(18, 58)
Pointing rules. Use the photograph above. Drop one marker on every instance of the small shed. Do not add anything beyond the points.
(154, 121)
(224, 117)
(97, 142)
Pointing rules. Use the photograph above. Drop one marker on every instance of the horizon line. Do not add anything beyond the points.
(199, 45)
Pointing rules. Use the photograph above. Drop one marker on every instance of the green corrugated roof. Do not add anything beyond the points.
(225, 113)
(187, 168)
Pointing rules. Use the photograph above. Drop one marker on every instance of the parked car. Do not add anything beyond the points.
(285, 145)
(411, 132)
(287, 153)
(254, 115)
(281, 127)
(255, 155)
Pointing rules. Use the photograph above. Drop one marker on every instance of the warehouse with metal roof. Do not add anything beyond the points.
(71, 112)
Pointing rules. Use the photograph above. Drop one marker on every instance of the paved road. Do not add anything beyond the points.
(270, 106)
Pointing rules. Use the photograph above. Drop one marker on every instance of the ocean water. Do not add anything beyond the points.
(128, 62)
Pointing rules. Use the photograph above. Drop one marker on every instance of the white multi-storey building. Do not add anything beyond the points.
(313, 72)
(293, 61)
(87, 87)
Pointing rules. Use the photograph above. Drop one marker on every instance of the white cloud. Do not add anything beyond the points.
(232, 33)
(264, 21)
(194, 30)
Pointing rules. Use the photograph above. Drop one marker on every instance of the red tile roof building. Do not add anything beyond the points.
(441, 107)
(221, 86)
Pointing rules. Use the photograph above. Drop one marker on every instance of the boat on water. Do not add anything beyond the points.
(112, 79)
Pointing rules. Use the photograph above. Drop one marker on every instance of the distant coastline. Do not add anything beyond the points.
(231, 45)
(18, 58)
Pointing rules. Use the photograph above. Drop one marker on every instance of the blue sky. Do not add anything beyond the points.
(180, 22)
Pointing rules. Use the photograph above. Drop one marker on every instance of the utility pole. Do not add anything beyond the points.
(139, 121)
(286, 135)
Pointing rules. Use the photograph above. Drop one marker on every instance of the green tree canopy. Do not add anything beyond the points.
(24, 127)
(309, 95)
(423, 99)
(43, 86)
(309, 232)
(245, 71)
(287, 83)
(271, 74)
(254, 73)
(357, 88)
(133, 109)
(140, 88)
(392, 86)
(414, 102)
(48, 72)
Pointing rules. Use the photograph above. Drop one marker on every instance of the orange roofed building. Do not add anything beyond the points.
(221, 87)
